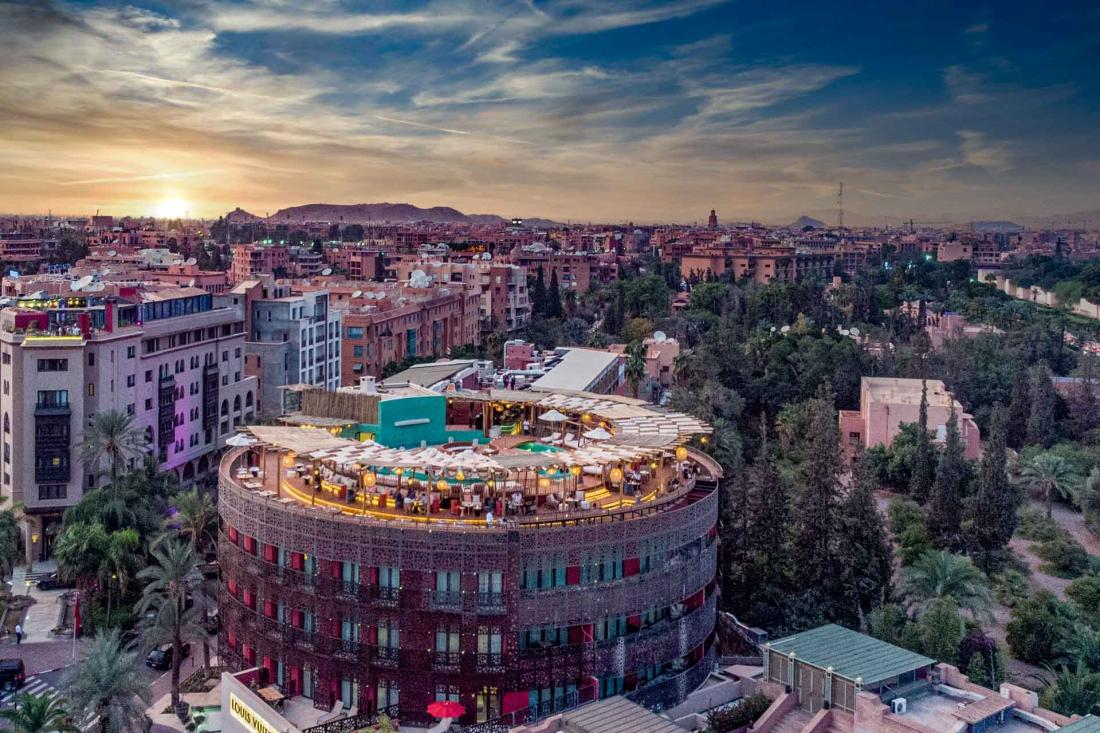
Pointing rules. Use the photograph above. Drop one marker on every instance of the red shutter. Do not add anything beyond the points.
(297, 561)
(631, 566)
(573, 575)
(233, 534)
(269, 609)
(337, 569)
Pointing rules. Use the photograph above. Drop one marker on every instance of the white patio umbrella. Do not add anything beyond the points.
(597, 434)
(553, 416)
(240, 440)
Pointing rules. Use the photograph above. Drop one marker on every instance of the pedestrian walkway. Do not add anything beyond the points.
(41, 618)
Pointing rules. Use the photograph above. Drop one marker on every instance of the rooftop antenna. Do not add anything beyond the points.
(840, 207)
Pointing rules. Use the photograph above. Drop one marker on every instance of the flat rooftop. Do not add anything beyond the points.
(908, 391)
(851, 654)
(578, 369)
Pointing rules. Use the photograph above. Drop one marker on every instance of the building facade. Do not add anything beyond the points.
(170, 359)
(368, 609)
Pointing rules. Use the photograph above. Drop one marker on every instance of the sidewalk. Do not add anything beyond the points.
(41, 618)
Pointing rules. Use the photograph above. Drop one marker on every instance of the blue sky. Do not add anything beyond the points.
(581, 109)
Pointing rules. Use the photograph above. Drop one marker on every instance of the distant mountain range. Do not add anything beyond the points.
(806, 221)
(384, 213)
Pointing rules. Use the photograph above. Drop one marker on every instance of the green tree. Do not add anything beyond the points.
(1088, 498)
(1042, 399)
(1039, 627)
(80, 550)
(171, 580)
(993, 516)
(113, 435)
(634, 369)
(814, 539)
(553, 297)
(9, 540)
(941, 630)
(1048, 476)
(38, 714)
(1019, 408)
(195, 519)
(865, 554)
(1073, 691)
(109, 684)
(923, 476)
(1080, 646)
(1084, 592)
(939, 574)
(538, 294)
(945, 510)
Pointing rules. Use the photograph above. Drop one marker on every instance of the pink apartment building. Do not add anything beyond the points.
(887, 403)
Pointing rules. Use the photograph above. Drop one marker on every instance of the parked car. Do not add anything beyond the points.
(161, 657)
(12, 673)
(54, 581)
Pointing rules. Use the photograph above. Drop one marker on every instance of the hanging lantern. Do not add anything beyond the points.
(575, 470)
(369, 479)
(441, 485)
(616, 475)
(544, 482)
(460, 476)
(399, 471)
(288, 460)
(681, 453)
(490, 483)
(703, 440)
(586, 417)
(653, 465)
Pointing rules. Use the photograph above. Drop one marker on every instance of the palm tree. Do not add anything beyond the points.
(38, 714)
(938, 574)
(1048, 475)
(1081, 646)
(196, 519)
(114, 436)
(9, 538)
(634, 371)
(1072, 691)
(109, 684)
(172, 580)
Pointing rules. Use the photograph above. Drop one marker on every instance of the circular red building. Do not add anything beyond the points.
(518, 576)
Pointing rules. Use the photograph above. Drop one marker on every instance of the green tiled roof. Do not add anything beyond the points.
(851, 654)
(1087, 724)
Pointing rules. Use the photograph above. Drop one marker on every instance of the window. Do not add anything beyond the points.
(388, 694)
(131, 380)
(148, 403)
(389, 635)
(53, 397)
(389, 577)
(149, 375)
(490, 585)
(91, 358)
(355, 332)
(130, 409)
(51, 492)
(131, 352)
(53, 365)
(488, 646)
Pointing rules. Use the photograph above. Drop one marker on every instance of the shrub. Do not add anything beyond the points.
(1036, 526)
(1039, 627)
(1010, 587)
(1063, 556)
(1085, 594)
(743, 714)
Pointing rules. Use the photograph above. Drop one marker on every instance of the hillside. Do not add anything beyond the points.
(377, 213)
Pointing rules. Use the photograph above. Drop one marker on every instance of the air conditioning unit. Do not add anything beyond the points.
(898, 705)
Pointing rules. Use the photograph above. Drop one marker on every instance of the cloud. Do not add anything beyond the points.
(978, 151)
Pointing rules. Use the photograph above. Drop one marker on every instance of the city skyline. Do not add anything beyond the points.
(571, 111)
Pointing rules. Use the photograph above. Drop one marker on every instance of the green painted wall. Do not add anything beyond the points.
(424, 418)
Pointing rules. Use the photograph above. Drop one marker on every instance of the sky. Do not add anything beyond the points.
(577, 110)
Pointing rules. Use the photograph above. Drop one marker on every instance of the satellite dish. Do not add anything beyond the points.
(357, 294)
(327, 271)
(95, 288)
(785, 329)
(773, 329)
(81, 283)
(854, 331)
(191, 261)
(191, 283)
(111, 253)
(486, 255)
(844, 332)
(417, 274)
(660, 337)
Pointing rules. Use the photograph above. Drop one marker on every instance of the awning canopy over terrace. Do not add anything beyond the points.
(300, 440)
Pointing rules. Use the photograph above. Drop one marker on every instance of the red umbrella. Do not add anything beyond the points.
(446, 709)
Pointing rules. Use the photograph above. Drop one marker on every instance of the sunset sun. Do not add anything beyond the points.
(171, 208)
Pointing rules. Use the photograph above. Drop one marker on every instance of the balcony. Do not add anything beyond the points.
(386, 656)
(446, 661)
(349, 590)
(386, 595)
(447, 599)
(346, 649)
(490, 662)
(490, 602)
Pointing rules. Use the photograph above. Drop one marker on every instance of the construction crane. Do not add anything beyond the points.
(840, 207)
